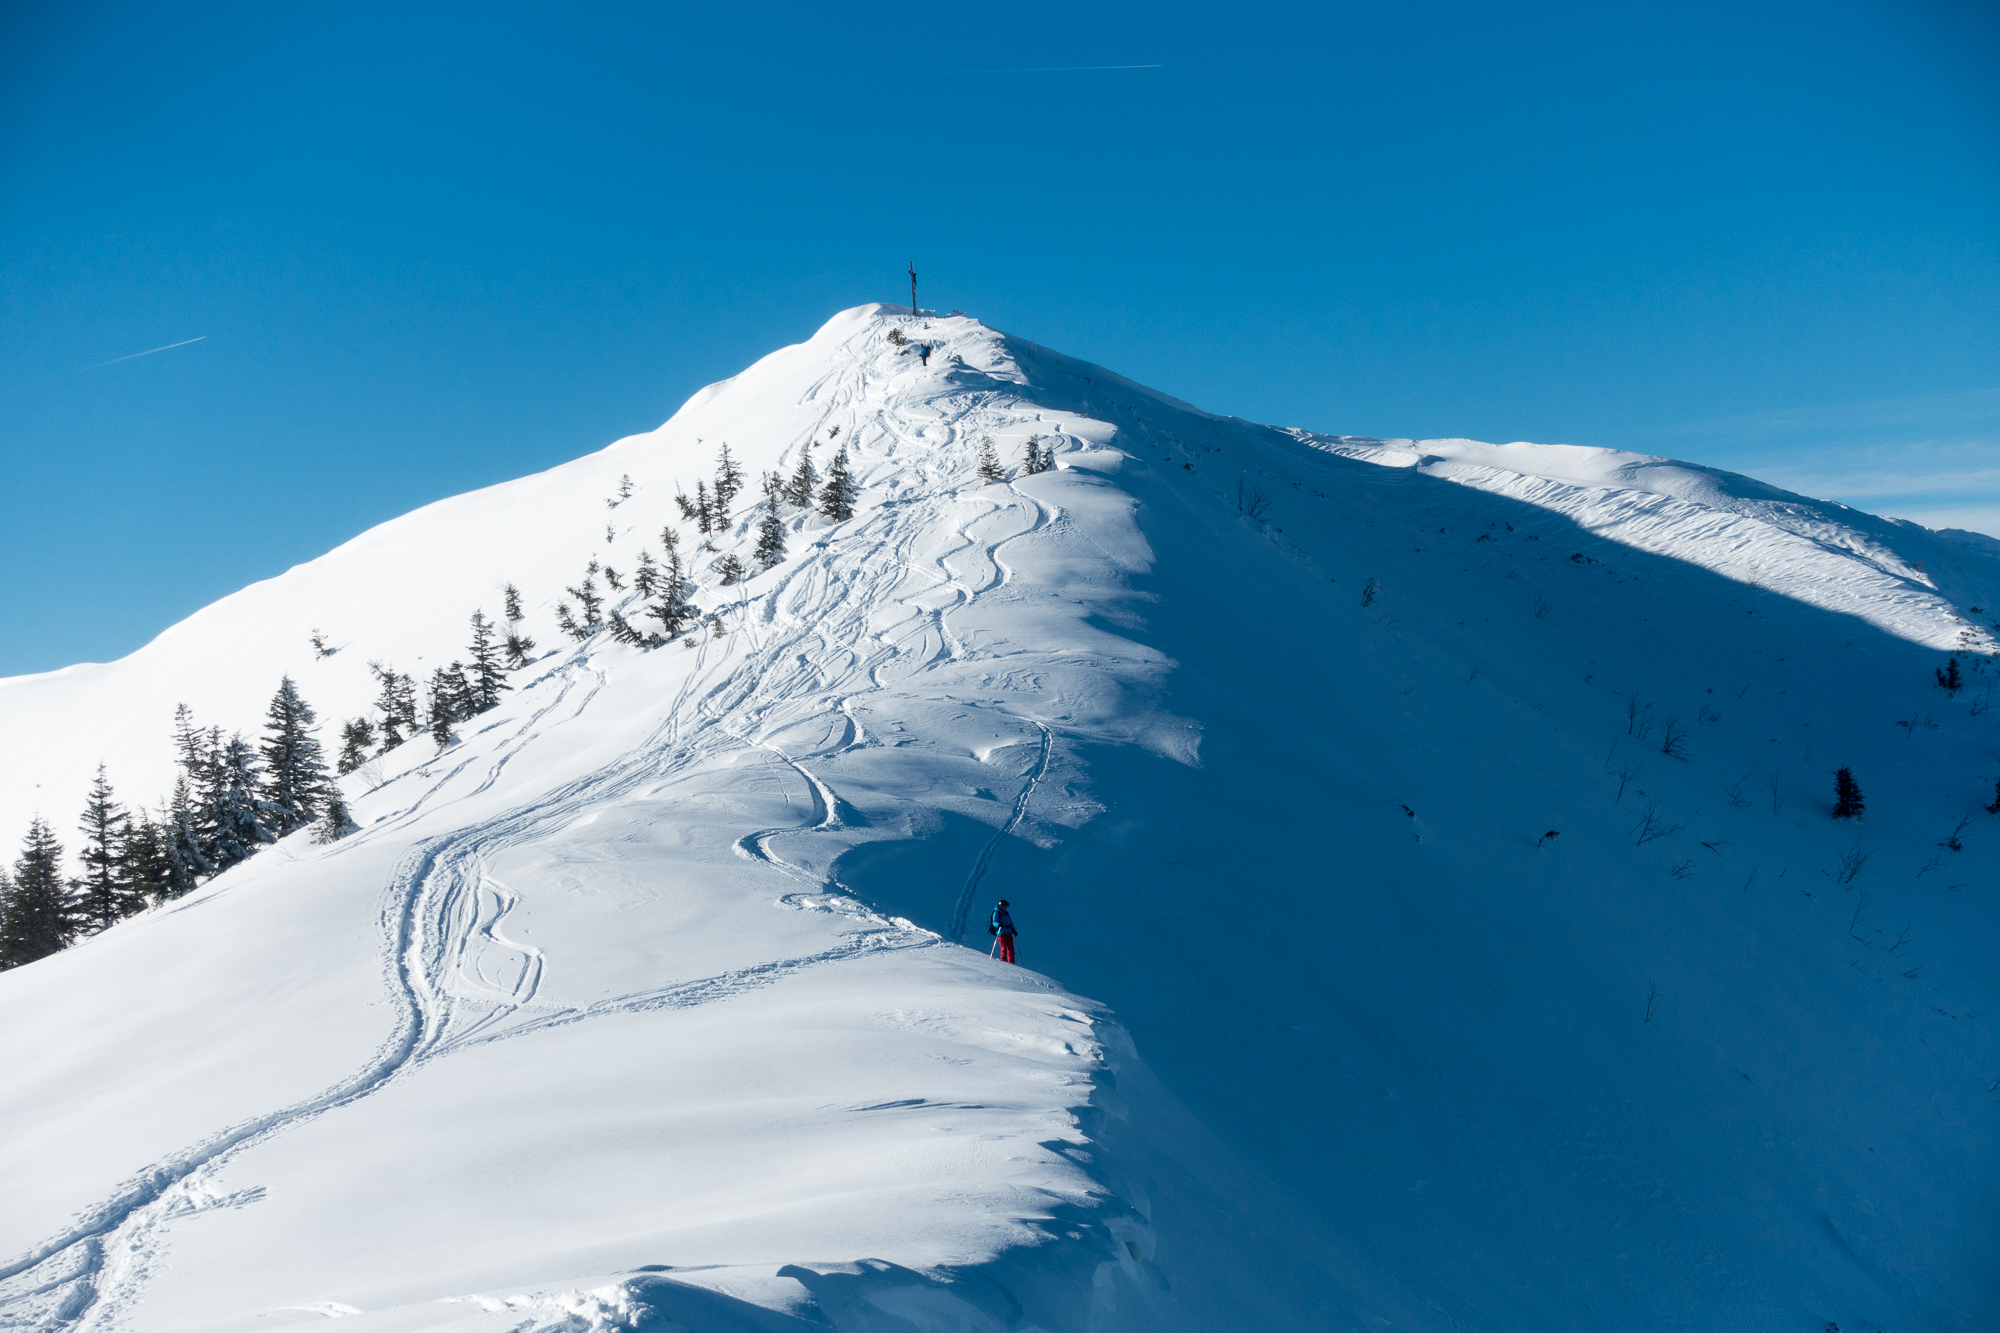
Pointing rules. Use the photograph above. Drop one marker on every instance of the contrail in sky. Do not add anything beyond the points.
(1056, 69)
(168, 348)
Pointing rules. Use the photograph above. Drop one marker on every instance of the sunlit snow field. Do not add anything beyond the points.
(661, 999)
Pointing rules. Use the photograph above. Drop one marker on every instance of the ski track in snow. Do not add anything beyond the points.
(809, 652)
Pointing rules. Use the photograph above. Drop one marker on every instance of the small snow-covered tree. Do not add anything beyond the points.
(644, 575)
(671, 603)
(488, 678)
(730, 569)
(588, 598)
(990, 470)
(836, 497)
(517, 647)
(397, 702)
(1031, 458)
(1948, 678)
(510, 603)
(611, 576)
(185, 861)
(243, 821)
(40, 914)
(334, 822)
(357, 738)
(804, 485)
(728, 484)
(1847, 802)
(143, 869)
(567, 623)
(101, 897)
(294, 771)
(771, 529)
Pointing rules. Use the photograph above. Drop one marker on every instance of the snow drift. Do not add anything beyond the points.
(659, 999)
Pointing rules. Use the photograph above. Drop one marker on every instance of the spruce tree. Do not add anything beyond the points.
(589, 598)
(730, 569)
(671, 602)
(1847, 802)
(836, 498)
(622, 632)
(489, 678)
(243, 821)
(771, 530)
(185, 862)
(510, 603)
(102, 900)
(689, 510)
(357, 737)
(334, 822)
(40, 916)
(294, 770)
(804, 485)
(518, 646)
(728, 483)
(990, 470)
(449, 702)
(1031, 461)
(645, 575)
(704, 511)
(1948, 678)
(567, 623)
(144, 870)
(611, 577)
(397, 703)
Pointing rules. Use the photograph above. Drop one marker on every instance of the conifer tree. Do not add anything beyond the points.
(671, 602)
(357, 737)
(589, 598)
(804, 485)
(334, 822)
(185, 861)
(1948, 678)
(730, 569)
(397, 703)
(771, 530)
(143, 870)
(445, 696)
(645, 575)
(1031, 461)
(567, 623)
(622, 631)
(836, 498)
(611, 577)
(704, 510)
(1847, 802)
(294, 770)
(101, 897)
(990, 470)
(488, 677)
(242, 821)
(510, 603)
(689, 510)
(39, 917)
(517, 647)
(728, 483)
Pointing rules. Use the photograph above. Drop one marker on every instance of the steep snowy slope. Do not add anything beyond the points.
(644, 1005)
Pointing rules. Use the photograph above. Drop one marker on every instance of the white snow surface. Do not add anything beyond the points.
(660, 999)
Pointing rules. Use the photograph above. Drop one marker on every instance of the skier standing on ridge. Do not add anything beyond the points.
(1001, 928)
(924, 353)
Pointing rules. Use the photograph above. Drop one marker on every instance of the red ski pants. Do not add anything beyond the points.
(1006, 948)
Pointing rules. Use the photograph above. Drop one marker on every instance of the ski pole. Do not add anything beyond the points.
(995, 947)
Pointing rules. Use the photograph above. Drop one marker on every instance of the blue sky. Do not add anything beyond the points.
(431, 247)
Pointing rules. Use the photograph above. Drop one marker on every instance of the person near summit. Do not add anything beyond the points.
(1001, 928)
(924, 353)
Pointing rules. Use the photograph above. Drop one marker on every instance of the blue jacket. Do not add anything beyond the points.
(1002, 923)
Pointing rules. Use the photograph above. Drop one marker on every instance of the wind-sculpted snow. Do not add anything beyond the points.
(657, 999)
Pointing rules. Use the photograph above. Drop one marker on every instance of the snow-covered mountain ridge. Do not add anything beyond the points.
(647, 996)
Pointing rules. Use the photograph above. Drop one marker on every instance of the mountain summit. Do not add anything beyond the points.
(1432, 910)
